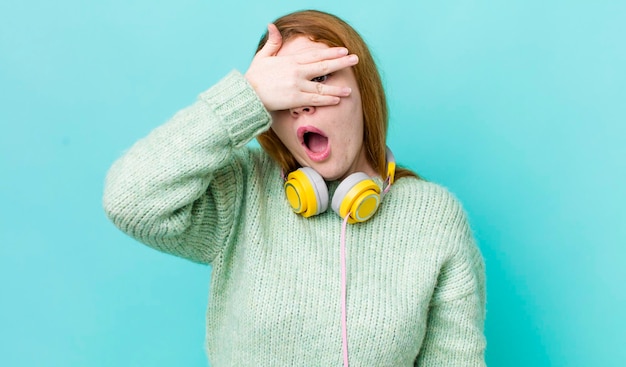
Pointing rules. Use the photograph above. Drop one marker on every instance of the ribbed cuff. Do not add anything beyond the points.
(238, 106)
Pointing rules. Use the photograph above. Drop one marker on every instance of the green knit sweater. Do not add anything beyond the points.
(415, 278)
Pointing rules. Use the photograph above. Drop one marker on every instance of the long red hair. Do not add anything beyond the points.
(334, 32)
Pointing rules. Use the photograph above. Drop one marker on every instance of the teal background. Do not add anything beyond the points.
(518, 107)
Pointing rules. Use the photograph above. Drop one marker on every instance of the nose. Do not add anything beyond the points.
(306, 110)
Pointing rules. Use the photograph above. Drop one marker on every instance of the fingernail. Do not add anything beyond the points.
(353, 58)
(343, 51)
(347, 90)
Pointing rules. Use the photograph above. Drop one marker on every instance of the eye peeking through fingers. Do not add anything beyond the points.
(321, 79)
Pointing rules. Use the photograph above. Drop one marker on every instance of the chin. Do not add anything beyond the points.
(330, 175)
(332, 178)
(328, 171)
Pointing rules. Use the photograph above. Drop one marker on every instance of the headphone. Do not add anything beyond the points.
(357, 195)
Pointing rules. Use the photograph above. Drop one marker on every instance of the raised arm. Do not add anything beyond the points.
(176, 189)
(179, 189)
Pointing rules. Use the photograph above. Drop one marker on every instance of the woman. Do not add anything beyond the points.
(403, 287)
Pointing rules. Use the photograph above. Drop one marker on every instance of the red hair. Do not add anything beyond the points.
(334, 32)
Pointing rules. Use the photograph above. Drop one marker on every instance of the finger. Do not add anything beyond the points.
(273, 43)
(329, 66)
(326, 89)
(321, 54)
(317, 100)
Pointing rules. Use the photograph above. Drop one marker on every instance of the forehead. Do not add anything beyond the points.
(300, 44)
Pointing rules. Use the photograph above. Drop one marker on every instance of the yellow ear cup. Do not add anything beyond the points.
(358, 195)
(364, 206)
(306, 192)
(361, 202)
(293, 188)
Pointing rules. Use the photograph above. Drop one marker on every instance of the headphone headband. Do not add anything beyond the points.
(391, 166)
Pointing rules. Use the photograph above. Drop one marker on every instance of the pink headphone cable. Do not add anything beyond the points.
(344, 286)
(344, 319)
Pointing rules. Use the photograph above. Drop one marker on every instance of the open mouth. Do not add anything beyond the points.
(314, 142)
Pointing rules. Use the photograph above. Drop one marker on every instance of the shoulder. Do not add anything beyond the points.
(253, 166)
(430, 212)
(257, 159)
(427, 197)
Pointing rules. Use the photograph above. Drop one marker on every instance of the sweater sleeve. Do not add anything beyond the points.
(454, 332)
(178, 190)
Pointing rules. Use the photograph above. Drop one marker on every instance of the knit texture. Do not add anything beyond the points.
(416, 287)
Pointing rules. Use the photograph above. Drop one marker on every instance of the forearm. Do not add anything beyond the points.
(455, 335)
(160, 191)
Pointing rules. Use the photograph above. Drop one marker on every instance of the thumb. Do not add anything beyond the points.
(273, 43)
